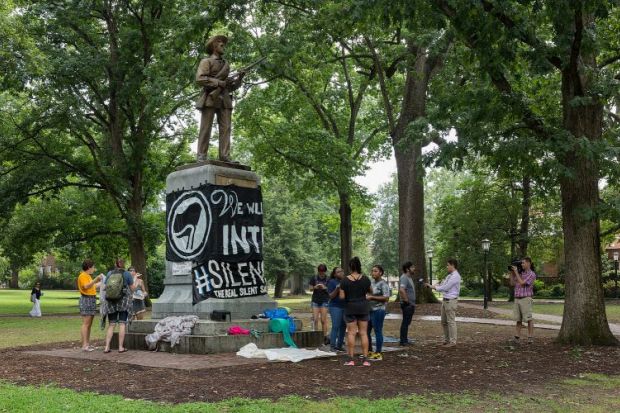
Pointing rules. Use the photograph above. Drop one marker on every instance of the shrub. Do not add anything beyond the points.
(538, 285)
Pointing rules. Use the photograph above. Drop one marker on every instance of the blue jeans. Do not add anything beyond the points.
(336, 336)
(376, 322)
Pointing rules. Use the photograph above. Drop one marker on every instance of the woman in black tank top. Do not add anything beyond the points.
(353, 290)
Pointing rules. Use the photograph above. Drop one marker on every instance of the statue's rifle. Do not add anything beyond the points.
(246, 69)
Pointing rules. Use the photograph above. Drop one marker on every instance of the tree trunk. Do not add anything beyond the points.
(411, 214)
(297, 285)
(346, 231)
(279, 287)
(584, 321)
(526, 202)
(14, 277)
(135, 237)
(410, 171)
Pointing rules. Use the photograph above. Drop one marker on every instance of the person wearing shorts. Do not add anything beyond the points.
(353, 290)
(139, 308)
(88, 301)
(320, 300)
(117, 311)
(523, 283)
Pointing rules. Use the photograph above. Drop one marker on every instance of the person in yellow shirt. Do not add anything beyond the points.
(88, 300)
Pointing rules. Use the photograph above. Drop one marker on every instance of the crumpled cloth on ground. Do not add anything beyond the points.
(281, 354)
(238, 331)
(171, 329)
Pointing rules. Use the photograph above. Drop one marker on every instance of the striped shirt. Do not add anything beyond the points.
(527, 289)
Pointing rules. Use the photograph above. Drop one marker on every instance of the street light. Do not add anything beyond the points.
(616, 256)
(429, 254)
(486, 245)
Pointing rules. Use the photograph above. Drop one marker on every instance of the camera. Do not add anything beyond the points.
(516, 263)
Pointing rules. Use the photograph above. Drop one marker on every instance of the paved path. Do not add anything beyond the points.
(556, 320)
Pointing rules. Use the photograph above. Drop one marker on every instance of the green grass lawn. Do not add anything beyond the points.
(17, 302)
(22, 331)
(591, 393)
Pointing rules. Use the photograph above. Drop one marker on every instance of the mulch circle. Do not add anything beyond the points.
(483, 362)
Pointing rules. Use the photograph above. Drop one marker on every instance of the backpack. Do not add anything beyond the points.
(114, 285)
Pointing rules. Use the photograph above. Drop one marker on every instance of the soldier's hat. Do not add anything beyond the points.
(214, 39)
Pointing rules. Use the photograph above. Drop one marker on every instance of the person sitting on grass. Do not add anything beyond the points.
(378, 302)
(353, 290)
(88, 300)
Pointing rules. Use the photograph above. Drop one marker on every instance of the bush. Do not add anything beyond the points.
(502, 291)
(538, 285)
(553, 291)
(609, 289)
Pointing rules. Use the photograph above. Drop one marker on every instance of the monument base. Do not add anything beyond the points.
(209, 337)
(176, 299)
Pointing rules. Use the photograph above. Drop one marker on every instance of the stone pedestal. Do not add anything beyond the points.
(177, 296)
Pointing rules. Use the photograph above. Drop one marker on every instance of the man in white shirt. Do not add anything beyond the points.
(450, 287)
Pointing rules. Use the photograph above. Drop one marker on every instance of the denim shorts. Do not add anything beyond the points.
(118, 317)
(321, 305)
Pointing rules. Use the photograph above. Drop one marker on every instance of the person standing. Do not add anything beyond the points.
(450, 287)
(407, 301)
(378, 297)
(35, 298)
(139, 294)
(88, 300)
(336, 310)
(523, 282)
(353, 290)
(320, 300)
(118, 308)
(216, 99)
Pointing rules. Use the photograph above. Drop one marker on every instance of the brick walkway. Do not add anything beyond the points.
(155, 359)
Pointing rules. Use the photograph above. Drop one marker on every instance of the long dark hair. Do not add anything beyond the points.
(333, 273)
(355, 265)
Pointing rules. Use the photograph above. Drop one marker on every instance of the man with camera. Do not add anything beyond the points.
(522, 278)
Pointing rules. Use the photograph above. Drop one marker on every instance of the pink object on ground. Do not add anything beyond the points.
(238, 331)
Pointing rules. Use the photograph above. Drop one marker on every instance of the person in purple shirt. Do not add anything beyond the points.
(523, 282)
(450, 287)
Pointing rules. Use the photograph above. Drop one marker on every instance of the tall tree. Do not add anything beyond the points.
(316, 121)
(564, 40)
(108, 102)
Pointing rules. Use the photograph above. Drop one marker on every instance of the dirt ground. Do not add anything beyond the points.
(483, 361)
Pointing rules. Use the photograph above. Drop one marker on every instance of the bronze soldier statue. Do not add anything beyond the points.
(217, 86)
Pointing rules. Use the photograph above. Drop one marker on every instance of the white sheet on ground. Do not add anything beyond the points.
(251, 351)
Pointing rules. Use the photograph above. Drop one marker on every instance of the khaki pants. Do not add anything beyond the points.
(224, 117)
(448, 320)
(522, 309)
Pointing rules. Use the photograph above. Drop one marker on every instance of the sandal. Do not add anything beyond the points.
(123, 350)
(107, 351)
(350, 363)
(365, 363)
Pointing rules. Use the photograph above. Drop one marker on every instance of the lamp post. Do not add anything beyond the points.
(616, 257)
(486, 245)
(429, 254)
